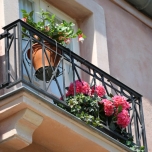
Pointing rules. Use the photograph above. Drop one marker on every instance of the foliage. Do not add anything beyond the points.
(85, 108)
(62, 32)
(92, 105)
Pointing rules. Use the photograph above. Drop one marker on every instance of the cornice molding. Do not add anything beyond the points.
(130, 9)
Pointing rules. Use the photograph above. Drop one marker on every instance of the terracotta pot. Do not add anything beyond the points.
(38, 62)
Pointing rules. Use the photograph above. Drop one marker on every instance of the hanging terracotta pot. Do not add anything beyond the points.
(37, 60)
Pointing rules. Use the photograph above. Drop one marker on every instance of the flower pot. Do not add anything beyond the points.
(37, 60)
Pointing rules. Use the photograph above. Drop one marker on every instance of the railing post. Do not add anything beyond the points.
(74, 85)
(143, 125)
(15, 54)
(20, 56)
(7, 59)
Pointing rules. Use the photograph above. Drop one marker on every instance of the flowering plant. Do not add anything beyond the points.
(92, 105)
(62, 32)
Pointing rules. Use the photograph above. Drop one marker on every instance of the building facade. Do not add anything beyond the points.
(118, 42)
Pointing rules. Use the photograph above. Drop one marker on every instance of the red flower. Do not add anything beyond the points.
(99, 90)
(120, 101)
(108, 107)
(80, 87)
(123, 119)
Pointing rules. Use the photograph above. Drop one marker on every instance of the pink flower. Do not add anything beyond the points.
(80, 87)
(85, 89)
(24, 19)
(80, 37)
(61, 38)
(108, 107)
(47, 28)
(67, 41)
(99, 90)
(120, 101)
(123, 119)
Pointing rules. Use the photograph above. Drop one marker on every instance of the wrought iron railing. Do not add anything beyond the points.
(51, 81)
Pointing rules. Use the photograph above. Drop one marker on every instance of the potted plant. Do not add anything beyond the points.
(62, 33)
(93, 106)
(94, 103)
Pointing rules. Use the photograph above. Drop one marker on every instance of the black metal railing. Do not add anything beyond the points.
(51, 80)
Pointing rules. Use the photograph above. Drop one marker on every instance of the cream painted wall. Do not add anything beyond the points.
(11, 10)
(130, 54)
(1, 42)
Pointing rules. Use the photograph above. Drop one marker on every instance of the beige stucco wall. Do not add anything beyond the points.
(1, 42)
(130, 51)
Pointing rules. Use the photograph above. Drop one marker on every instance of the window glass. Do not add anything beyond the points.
(27, 5)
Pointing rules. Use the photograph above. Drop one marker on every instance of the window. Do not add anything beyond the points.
(27, 5)
(37, 5)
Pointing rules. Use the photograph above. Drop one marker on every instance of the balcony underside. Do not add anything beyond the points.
(36, 124)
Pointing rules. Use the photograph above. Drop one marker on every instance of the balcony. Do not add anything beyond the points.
(32, 98)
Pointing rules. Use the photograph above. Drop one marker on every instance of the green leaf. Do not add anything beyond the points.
(128, 143)
(119, 109)
(111, 95)
(31, 13)
(23, 11)
(142, 148)
(112, 126)
(71, 24)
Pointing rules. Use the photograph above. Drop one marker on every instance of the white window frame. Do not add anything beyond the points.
(42, 4)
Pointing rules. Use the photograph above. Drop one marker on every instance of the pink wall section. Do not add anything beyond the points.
(130, 55)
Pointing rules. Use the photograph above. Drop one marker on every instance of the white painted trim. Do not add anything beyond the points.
(123, 4)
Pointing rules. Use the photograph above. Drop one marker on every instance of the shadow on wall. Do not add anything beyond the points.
(1, 72)
(87, 47)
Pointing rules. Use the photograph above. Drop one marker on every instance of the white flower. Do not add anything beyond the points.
(81, 39)
(67, 41)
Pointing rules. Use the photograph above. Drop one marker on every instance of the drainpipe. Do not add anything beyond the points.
(144, 6)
